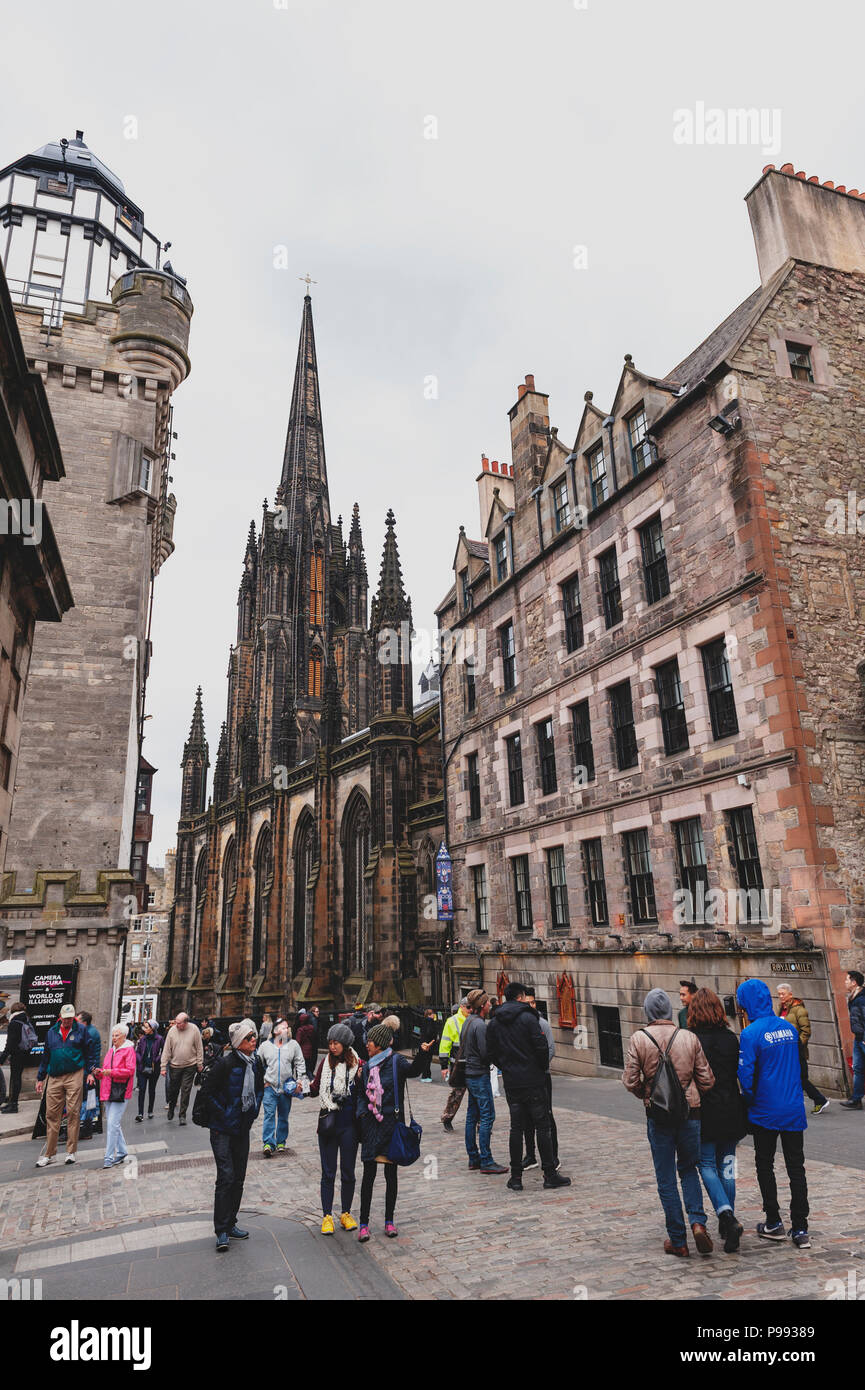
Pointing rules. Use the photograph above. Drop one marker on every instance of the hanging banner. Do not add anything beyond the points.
(444, 885)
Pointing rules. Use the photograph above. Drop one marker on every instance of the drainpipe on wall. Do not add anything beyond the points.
(536, 493)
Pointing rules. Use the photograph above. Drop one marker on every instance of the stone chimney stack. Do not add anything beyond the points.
(530, 426)
(494, 475)
(796, 217)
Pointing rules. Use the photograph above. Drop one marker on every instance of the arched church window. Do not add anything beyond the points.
(314, 688)
(304, 852)
(263, 885)
(316, 588)
(355, 856)
(229, 888)
(200, 895)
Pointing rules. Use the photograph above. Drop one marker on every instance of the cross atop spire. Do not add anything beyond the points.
(309, 281)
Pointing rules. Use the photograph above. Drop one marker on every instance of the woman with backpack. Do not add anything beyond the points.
(148, 1050)
(667, 1069)
(335, 1085)
(20, 1037)
(381, 1095)
(722, 1115)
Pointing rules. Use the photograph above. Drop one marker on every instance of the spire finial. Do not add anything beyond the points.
(309, 281)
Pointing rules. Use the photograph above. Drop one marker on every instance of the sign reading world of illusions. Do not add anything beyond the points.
(44, 989)
(444, 885)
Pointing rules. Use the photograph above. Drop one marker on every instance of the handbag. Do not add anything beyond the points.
(118, 1088)
(404, 1147)
(457, 1073)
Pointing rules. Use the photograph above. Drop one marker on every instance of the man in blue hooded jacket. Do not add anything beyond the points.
(771, 1080)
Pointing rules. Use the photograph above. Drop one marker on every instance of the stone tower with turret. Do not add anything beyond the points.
(107, 330)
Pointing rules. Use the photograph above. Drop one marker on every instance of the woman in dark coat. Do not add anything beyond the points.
(148, 1051)
(377, 1110)
(305, 1035)
(722, 1122)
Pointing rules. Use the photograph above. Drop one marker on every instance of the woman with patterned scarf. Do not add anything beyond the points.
(335, 1084)
(377, 1110)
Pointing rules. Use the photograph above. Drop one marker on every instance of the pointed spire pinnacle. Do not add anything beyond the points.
(250, 541)
(196, 743)
(304, 446)
(331, 708)
(220, 773)
(390, 603)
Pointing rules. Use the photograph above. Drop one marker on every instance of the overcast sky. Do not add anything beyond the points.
(302, 125)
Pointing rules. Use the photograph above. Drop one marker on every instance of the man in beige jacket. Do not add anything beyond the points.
(679, 1148)
(182, 1057)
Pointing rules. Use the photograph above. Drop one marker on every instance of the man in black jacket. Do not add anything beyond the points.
(15, 1053)
(232, 1092)
(854, 984)
(517, 1046)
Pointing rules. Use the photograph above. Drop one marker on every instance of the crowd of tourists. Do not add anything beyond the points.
(702, 1085)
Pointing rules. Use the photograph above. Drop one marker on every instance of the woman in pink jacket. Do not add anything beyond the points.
(117, 1070)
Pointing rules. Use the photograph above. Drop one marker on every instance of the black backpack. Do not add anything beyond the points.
(668, 1104)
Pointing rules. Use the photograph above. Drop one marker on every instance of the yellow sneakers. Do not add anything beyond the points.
(347, 1221)
(327, 1226)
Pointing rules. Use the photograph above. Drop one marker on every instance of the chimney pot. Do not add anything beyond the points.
(767, 168)
(785, 169)
(530, 381)
(814, 178)
(828, 184)
(854, 192)
(495, 465)
(840, 188)
(800, 174)
(485, 463)
(521, 391)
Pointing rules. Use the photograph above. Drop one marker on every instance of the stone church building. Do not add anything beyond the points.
(307, 876)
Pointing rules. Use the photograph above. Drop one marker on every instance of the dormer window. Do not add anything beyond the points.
(799, 357)
(599, 483)
(500, 551)
(561, 504)
(641, 449)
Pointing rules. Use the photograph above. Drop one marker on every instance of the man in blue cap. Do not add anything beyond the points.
(771, 1079)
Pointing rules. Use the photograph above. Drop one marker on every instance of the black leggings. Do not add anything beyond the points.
(390, 1182)
(145, 1084)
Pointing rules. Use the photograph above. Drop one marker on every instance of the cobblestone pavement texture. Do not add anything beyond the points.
(462, 1235)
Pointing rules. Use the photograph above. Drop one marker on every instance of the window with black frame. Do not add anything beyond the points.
(611, 591)
(547, 756)
(574, 636)
(596, 884)
(641, 448)
(719, 688)
(584, 753)
(473, 782)
(500, 552)
(624, 733)
(745, 856)
(508, 651)
(638, 866)
(691, 859)
(558, 888)
(522, 891)
(471, 691)
(655, 574)
(799, 357)
(561, 505)
(599, 483)
(465, 590)
(514, 749)
(671, 706)
(482, 905)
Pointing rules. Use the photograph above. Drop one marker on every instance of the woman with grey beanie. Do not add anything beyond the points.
(335, 1083)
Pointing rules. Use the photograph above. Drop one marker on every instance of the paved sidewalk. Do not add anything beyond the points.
(462, 1235)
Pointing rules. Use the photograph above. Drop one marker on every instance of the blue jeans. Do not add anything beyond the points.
(480, 1118)
(718, 1171)
(858, 1069)
(678, 1150)
(115, 1144)
(343, 1144)
(276, 1109)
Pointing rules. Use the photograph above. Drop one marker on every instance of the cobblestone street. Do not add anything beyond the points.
(118, 1233)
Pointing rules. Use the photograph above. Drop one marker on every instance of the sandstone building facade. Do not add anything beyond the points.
(305, 878)
(654, 718)
(106, 331)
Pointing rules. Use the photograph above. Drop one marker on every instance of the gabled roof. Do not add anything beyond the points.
(728, 337)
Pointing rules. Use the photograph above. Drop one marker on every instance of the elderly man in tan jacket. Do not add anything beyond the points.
(182, 1057)
(672, 1148)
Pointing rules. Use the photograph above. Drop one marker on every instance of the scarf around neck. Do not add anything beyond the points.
(335, 1084)
(247, 1096)
(374, 1089)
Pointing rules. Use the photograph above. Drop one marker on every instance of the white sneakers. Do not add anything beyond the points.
(70, 1158)
(45, 1160)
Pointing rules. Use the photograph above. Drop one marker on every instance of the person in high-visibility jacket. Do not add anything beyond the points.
(449, 1043)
